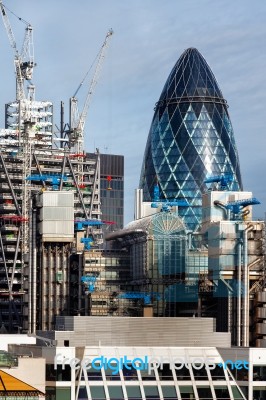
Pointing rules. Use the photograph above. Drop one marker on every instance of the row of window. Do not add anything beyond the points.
(165, 373)
(116, 185)
(150, 392)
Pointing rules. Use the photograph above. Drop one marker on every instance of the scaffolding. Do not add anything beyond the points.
(30, 163)
(16, 292)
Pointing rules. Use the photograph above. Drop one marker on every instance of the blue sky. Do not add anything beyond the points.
(149, 36)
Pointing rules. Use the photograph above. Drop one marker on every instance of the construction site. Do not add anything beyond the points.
(50, 214)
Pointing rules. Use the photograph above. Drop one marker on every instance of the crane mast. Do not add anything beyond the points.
(24, 64)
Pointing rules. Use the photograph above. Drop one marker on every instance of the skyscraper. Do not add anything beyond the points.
(191, 138)
(112, 190)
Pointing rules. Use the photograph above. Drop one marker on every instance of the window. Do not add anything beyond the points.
(130, 374)
(115, 392)
(169, 392)
(97, 392)
(148, 375)
(63, 394)
(94, 374)
(133, 392)
(259, 393)
(236, 393)
(187, 392)
(111, 374)
(151, 392)
(182, 373)
(200, 374)
(259, 373)
(82, 393)
(165, 373)
(204, 392)
(222, 392)
(217, 373)
(50, 393)
(61, 373)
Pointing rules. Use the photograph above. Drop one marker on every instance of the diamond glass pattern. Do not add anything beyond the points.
(191, 138)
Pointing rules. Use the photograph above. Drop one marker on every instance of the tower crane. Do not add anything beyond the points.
(23, 61)
(77, 124)
(77, 121)
(24, 64)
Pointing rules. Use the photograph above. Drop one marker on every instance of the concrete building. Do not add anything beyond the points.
(138, 358)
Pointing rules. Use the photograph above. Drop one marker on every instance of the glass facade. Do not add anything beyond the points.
(158, 249)
(191, 138)
(112, 191)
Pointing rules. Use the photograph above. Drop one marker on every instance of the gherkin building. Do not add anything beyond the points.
(191, 138)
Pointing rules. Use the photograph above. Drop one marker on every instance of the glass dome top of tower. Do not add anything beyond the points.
(191, 77)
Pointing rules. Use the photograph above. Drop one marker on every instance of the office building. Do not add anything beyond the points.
(191, 138)
(111, 191)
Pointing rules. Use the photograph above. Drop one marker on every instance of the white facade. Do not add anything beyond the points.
(143, 373)
(5, 340)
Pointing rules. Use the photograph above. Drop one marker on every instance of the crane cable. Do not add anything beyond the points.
(87, 73)
(15, 15)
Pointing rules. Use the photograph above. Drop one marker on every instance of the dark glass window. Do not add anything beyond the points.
(62, 373)
(182, 373)
(259, 393)
(217, 373)
(94, 374)
(130, 374)
(200, 374)
(82, 395)
(259, 373)
(222, 392)
(50, 393)
(187, 392)
(204, 392)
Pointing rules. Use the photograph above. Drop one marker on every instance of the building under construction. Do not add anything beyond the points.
(50, 213)
(37, 238)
